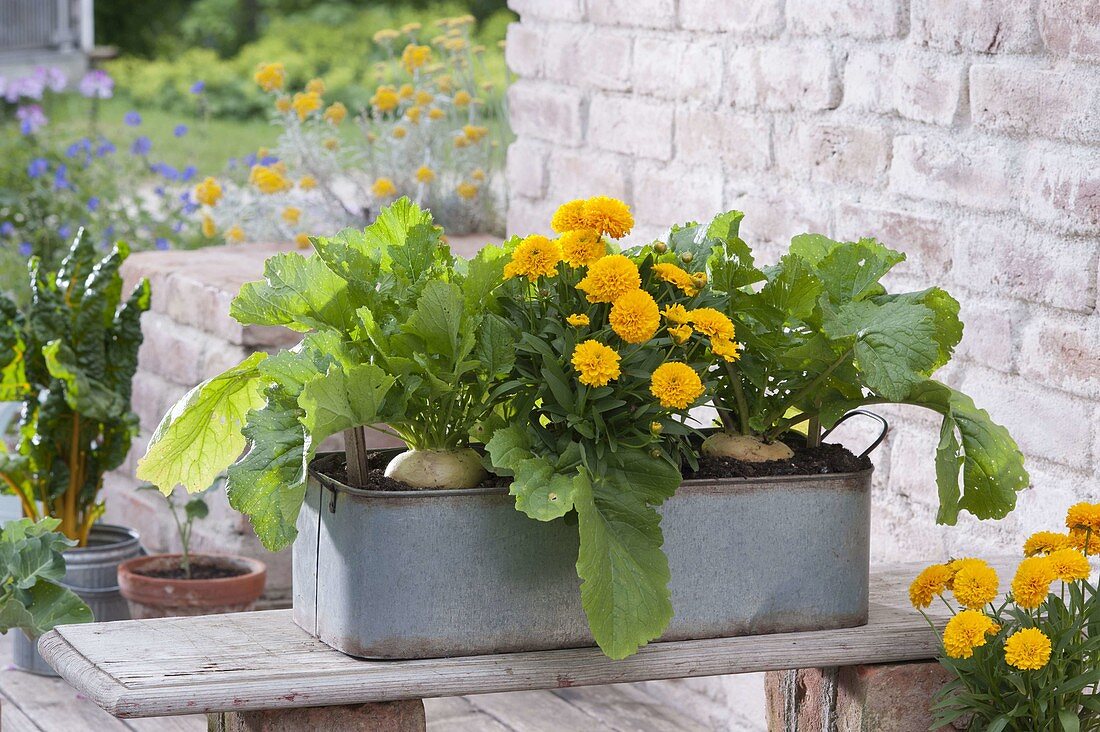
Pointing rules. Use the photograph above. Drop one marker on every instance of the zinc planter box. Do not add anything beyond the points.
(422, 574)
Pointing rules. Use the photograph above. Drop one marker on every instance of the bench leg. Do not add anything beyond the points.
(395, 716)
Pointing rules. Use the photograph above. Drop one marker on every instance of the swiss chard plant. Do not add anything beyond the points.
(399, 336)
(31, 568)
(69, 357)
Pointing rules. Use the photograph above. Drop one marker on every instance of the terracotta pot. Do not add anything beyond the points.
(155, 597)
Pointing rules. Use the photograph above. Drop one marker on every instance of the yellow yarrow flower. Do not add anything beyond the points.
(676, 314)
(577, 320)
(478, 174)
(330, 143)
(725, 349)
(336, 113)
(1045, 542)
(1084, 516)
(581, 247)
(569, 217)
(399, 132)
(208, 228)
(462, 98)
(282, 104)
(609, 278)
(475, 133)
(410, 28)
(1031, 585)
(315, 86)
(269, 179)
(304, 103)
(929, 584)
(1070, 565)
(235, 234)
(966, 631)
(424, 174)
(461, 142)
(385, 36)
(291, 214)
(436, 113)
(466, 190)
(1027, 649)
(383, 188)
(270, 77)
(412, 114)
(385, 99)
(414, 56)
(536, 256)
(676, 277)
(596, 363)
(424, 98)
(712, 323)
(680, 334)
(302, 240)
(608, 216)
(635, 316)
(406, 91)
(209, 192)
(676, 385)
(975, 584)
(307, 182)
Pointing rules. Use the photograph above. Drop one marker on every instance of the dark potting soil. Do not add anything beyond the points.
(200, 570)
(826, 458)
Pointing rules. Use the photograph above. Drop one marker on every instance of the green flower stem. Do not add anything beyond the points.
(739, 397)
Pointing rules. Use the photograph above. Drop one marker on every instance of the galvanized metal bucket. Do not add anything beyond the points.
(92, 573)
(422, 574)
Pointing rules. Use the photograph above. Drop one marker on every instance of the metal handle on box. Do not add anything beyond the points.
(863, 413)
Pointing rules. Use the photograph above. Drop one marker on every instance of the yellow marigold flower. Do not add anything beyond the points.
(577, 319)
(413, 114)
(1031, 585)
(680, 334)
(676, 385)
(676, 314)
(569, 217)
(466, 190)
(596, 363)
(336, 113)
(268, 179)
(712, 323)
(1084, 516)
(414, 56)
(635, 316)
(383, 188)
(929, 584)
(975, 584)
(385, 99)
(307, 182)
(581, 247)
(235, 234)
(474, 133)
(608, 216)
(436, 113)
(725, 349)
(966, 631)
(609, 278)
(208, 192)
(1085, 540)
(424, 174)
(316, 86)
(462, 98)
(536, 256)
(676, 277)
(1045, 542)
(208, 228)
(699, 279)
(386, 36)
(399, 132)
(1027, 649)
(282, 104)
(478, 174)
(291, 214)
(1070, 564)
(302, 241)
(270, 77)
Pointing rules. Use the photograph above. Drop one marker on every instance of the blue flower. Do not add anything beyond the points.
(249, 160)
(25, 248)
(60, 178)
(64, 230)
(7, 228)
(31, 119)
(180, 130)
(141, 146)
(37, 167)
(93, 204)
(198, 87)
(105, 148)
(161, 243)
(188, 173)
(166, 170)
(133, 119)
(269, 160)
(177, 227)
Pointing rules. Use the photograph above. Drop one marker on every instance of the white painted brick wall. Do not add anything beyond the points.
(964, 132)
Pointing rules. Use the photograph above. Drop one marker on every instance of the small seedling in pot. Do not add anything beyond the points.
(184, 517)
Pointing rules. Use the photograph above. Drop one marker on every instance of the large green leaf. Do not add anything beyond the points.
(269, 483)
(438, 319)
(52, 605)
(201, 435)
(496, 348)
(298, 292)
(849, 270)
(791, 292)
(85, 392)
(624, 573)
(484, 273)
(945, 313)
(341, 400)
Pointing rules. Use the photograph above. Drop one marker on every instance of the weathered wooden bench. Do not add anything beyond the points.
(259, 671)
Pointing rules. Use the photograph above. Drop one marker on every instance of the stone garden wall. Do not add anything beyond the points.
(964, 132)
